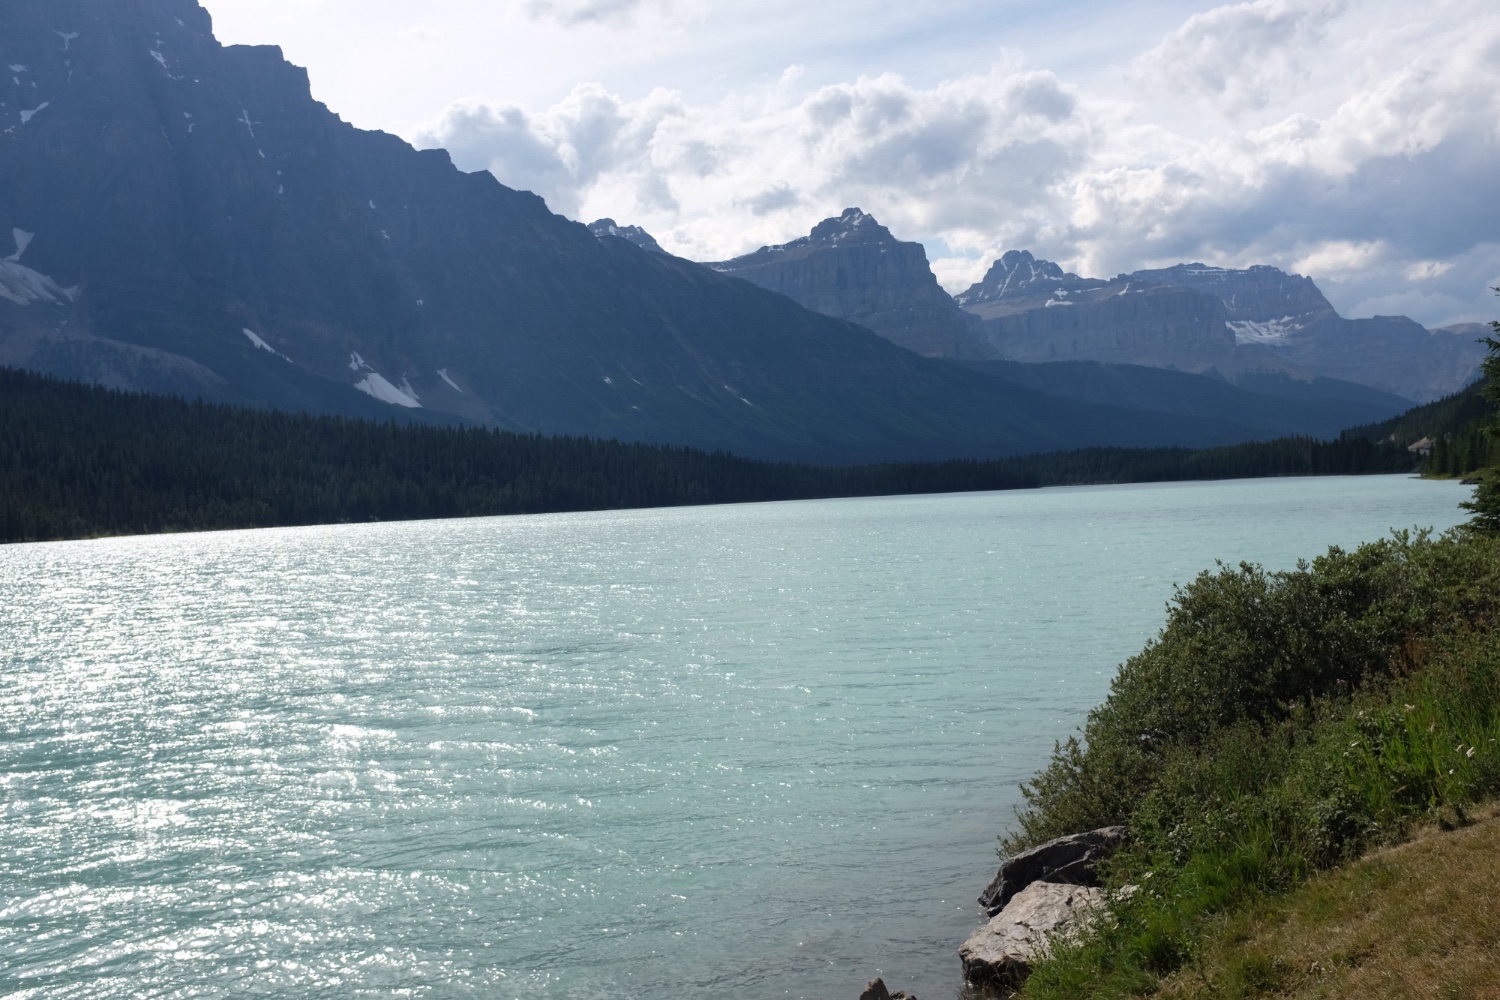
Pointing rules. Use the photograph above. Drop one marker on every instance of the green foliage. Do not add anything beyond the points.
(1281, 724)
(78, 461)
(1486, 503)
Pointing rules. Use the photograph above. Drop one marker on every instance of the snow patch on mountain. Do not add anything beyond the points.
(443, 374)
(23, 286)
(23, 240)
(1274, 331)
(376, 385)
(26, 116)
(260, 344)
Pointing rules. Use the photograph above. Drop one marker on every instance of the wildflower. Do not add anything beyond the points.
(1409, 708)
(1470, 754)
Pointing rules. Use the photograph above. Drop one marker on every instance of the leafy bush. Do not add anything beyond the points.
(1281, 723)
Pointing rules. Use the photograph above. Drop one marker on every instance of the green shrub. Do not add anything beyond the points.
(1282, 723)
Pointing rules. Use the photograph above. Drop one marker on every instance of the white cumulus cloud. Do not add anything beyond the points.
(1352, 140)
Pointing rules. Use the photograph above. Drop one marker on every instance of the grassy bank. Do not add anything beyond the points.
(1282, 724)
(1412, 922)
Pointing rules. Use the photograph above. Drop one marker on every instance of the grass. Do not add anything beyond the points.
(1414, 922)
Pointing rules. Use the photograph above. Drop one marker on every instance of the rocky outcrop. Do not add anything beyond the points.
(1003, 951)
(1071, 860)
(1019, 281)
(877, 990)
(853, 268)
(630, 234)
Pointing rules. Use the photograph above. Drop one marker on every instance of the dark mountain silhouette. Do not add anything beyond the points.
(185, 217)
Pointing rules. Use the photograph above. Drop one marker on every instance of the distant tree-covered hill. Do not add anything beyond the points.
(80, 461)
(1455, 428)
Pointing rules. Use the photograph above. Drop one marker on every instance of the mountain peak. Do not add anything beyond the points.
(851, 267)
(630, 234)
(1015, 274)
(855, 225)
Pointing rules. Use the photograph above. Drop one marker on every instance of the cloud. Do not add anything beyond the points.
(1426, 270)
(1241, 56)
(970, 155)
(573, 12)
(1354, 143)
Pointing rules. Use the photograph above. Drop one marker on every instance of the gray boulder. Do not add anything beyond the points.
(1071, 860)
(1003, 951)
(877, 990)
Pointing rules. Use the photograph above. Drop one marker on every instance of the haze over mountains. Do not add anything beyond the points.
(184, 217)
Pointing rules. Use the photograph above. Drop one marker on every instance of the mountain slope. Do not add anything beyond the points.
(1268, 405)
(187, 218)
(852, 267)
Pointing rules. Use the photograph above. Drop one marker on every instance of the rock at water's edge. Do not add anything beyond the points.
(1003, 951)
(876, 990)
(1070, 860)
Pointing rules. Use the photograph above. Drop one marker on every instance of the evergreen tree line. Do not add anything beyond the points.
(1464, 452)
(1486, 503)
(81, 461)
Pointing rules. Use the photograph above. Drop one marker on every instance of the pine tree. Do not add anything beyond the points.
(1486, 503)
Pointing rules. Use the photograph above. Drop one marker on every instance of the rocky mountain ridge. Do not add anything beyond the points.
(1196, 317)
(852, 267)
(630, 234)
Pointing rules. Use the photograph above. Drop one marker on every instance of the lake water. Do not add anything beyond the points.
(730, 752)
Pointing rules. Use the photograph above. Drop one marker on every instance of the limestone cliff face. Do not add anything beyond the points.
(1032, 310)
(1157, 327)
(853, 268)
(1258, 301)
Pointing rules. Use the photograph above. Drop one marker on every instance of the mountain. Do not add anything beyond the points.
(1031, 310)
(1269, 404)
(1194, 317)
(1018, 281)
(630, 234)
(852, 267)
(1261, 304)
(185, 217)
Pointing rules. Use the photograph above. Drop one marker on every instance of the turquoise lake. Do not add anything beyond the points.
(730, 752)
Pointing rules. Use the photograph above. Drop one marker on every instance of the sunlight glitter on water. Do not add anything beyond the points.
(710, 752)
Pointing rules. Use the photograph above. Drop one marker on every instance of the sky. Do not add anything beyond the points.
(1355, 141)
